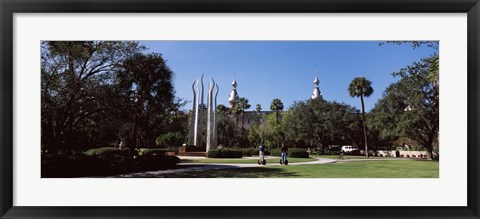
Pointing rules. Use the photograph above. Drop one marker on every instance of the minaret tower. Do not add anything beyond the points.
(233, 98)
(316, 91)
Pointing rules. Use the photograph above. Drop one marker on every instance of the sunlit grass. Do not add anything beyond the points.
(364, 169)
(349, 157)
(243, 160)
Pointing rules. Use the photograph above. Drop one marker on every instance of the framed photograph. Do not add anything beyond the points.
(200, 109)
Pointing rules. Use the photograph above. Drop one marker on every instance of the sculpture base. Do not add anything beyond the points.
(192, 151)
(193, 154)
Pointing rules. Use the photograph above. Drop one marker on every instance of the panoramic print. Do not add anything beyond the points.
(240, 109)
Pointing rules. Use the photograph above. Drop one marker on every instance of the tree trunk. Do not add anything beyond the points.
(276, 112)
(243, 123)
(429, 146)
(364, 126)
(276, 136)
(133, 136)
(54, 148)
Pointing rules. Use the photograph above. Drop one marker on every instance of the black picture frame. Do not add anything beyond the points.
(9, 7)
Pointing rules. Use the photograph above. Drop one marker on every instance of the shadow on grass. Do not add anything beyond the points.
(225, 171)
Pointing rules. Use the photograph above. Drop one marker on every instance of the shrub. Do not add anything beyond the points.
(193, 148)
(247, 152)
(276, 152)
(153, 151)
(103, 162)
(62, 166)
(225, 153)
(169, 139)
(107, 151)
(297, 153)
(354, 152)
(330, 153)
(292, 152)
(254, 152)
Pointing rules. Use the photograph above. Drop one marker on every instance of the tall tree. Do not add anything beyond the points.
(361, 87)
(236, 110)
(76, 89)
(148, 81)
(421, 94)
(320, 123)
(225, 126)
(276, 106)
(258, 108)
(243, 105)
(413, 101)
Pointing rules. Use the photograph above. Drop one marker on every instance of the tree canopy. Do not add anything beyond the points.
(99, 92)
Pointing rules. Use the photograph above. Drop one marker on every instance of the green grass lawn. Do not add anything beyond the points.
(364, 169)
(349, 157)
(243, 161)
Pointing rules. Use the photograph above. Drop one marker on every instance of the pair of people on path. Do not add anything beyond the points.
(283, 149)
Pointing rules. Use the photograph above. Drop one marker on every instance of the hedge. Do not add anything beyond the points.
(275, 152)
(152, 151)
(193, 148)
(254, 152)
(156, 162)
(247, 152)
(297, 153)
(225, 153)
(292, 152)
(104, 162)
(354, 152)
(107, 151)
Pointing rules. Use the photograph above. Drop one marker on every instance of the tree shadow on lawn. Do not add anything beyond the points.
(244, 172)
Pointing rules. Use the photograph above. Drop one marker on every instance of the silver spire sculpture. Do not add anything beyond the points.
(196, 126)
(191, 139)
(215, 138)
(211, 114)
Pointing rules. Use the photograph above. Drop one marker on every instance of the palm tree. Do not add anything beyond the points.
(222, 109)
(235, 109)
(276, 106)
(242, 105)
(361, 87)
(258, 108)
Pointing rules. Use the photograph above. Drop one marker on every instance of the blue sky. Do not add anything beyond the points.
(284, 69)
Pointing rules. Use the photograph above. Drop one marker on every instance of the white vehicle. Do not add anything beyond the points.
(348, 148)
